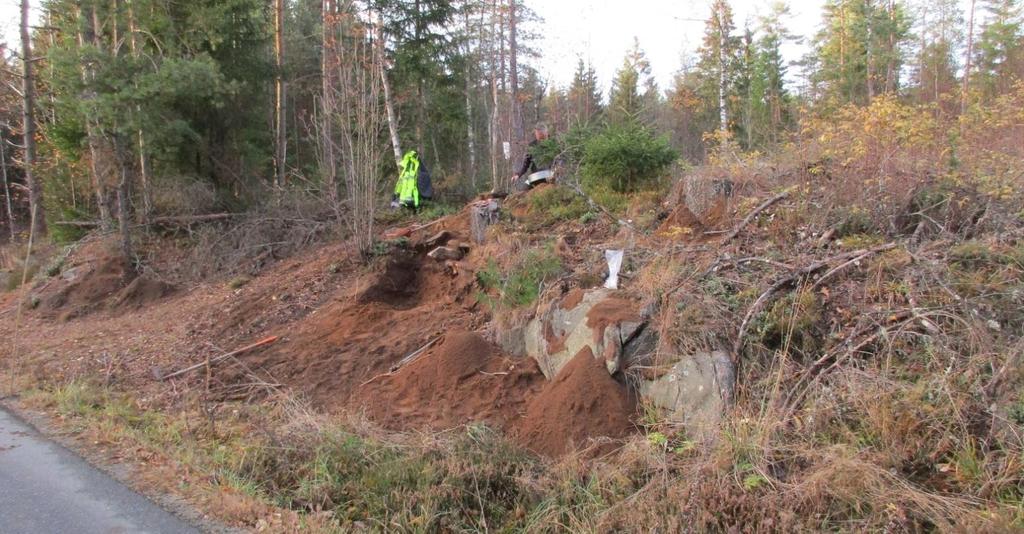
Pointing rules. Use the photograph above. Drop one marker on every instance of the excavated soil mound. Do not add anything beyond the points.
(140, 292)
(681, 223)
(327, 354)
(583, 402)
(89, 287)
(398, 285)
(461, 379)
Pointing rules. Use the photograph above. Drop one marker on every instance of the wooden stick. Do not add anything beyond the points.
(404, 361)
(746, 220)
(876, 250)
(208, 361)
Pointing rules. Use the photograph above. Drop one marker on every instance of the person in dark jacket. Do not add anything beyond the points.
(530, 164)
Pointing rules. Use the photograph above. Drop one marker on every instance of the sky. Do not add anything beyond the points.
(601, 31)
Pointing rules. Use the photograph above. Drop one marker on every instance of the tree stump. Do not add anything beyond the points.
(482, 215)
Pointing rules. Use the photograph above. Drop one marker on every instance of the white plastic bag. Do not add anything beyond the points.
(614, 258)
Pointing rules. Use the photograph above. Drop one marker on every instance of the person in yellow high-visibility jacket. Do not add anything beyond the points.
(407, 191)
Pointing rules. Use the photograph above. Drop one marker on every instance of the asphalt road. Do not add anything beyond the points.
(45, 488)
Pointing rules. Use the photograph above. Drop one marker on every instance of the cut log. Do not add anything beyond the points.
(173, 220)
(437, 240)
(482, 215)
(446, 253)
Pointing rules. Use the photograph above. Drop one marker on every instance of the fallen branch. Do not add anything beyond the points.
(405, 361)
(396, 233)
(818, 369)
(792, 277)
(594, 205)
(726, 262)
(746, 220)
(170, 220)
(876, 250)
(204, 363)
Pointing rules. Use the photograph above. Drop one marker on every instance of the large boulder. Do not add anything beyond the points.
(605, 321)
(695, 391)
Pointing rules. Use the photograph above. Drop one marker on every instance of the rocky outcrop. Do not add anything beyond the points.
(611, 325)
(695, 391)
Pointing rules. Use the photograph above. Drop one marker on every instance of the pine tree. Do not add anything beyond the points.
(859, 53)
(774, 112)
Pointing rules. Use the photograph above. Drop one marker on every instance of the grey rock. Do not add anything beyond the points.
(696, 391)
(71, 274)
(557, 335)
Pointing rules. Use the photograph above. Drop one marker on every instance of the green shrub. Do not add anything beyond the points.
(853, 221)
(555, 204)
(626, 158)
(434, 210)
(522, 284)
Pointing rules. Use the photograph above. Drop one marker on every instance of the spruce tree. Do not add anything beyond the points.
(625, 102)
(999, 51)
(584, 95)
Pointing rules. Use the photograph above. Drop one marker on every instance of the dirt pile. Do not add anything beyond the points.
(582, 403)
(94, 277)
(83, 287)
(461, 379)
(363, 330)
(140, 292)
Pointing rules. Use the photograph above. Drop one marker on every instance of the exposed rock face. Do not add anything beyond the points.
(602, 320)
(605, 324)
(695, 391)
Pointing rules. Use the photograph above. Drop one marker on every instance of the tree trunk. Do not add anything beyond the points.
(890, 66)
(123, 214)
(280, 96)
(389, 105)
(140, 138)
(96, 169)
(328, 162)
(723, 119)
(7, 186)
(516, 133)
(493, 126)
(35, 186)
(470, 134)
(967, 62)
